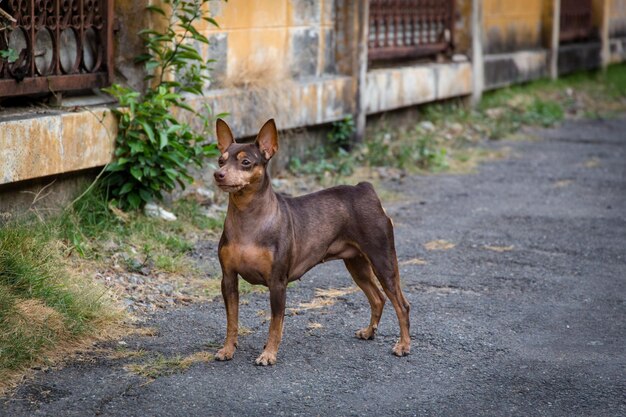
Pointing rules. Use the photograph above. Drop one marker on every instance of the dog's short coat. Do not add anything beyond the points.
(271, 240)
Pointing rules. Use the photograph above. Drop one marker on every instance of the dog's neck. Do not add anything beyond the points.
(253, 198)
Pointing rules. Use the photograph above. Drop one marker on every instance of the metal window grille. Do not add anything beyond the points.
(409, 28)
(60, 45)
(575, 20)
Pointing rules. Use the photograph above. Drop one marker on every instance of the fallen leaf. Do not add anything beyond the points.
(414, 261)
(499, 248)
(323, 298)
(592, 163)
(314, 326)
(124, 217)
(439, 245)
(244, 331)
(334, 292)
(562, 183)
(317, 302)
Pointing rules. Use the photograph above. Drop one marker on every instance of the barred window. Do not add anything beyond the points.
(575, 21)
(55, 45)
(401, 29)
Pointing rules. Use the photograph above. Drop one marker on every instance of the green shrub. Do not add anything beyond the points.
(154, 146)
(341, 133)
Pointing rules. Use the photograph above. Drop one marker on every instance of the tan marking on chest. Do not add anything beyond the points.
(249, 261)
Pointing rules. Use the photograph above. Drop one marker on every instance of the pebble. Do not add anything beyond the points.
(156, 211)
(427, 126)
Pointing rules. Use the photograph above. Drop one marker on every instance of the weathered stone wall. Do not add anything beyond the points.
(393, 88)
(463, 27)
(511, 25)
(295, 38)
(502, 70)
(34, 145)
(131, 17)
(617, 18)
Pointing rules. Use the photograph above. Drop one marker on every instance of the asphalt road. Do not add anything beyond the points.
(524, 315)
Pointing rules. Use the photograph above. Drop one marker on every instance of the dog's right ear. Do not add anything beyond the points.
(267, 139)
(224, 135)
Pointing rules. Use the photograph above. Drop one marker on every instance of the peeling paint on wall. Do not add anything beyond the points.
(54, 144)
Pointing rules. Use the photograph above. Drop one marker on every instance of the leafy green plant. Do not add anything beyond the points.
(404, 150)
(428, 156)
(154, 144)
(544, 113)
(9, 55)
(341, 133)
(322, 163)
(334, 158)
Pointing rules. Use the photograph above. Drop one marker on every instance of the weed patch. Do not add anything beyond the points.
(447, 136)
(44, 305)
(163, 366)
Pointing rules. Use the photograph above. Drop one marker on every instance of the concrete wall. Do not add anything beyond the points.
(462, 27)
(294, 37)
(515, 35)
(617, 18)
(131, 18)
(511, 25)
(389, 89)
(34, 146)
(617, 31)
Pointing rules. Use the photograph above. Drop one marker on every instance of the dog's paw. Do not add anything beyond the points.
(266, 358)
(401, 349)
(367, 333)
(225, 354)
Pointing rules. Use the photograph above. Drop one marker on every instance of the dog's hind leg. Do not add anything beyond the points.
(382, 256)
(362, 273)
(390, 281)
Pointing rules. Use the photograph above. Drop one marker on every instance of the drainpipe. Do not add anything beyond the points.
(604, 35)
(554, 43)
(478, 64)
(363, 7)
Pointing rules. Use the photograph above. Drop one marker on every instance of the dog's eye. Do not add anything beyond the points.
(246, 163)
(221, 162)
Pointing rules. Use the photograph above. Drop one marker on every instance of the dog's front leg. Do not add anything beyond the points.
(230, 292)
(278, 298)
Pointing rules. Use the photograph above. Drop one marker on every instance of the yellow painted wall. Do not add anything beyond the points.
(288, 37)
(463, 27)
(55, 143)
(617, 18)
(510, 25)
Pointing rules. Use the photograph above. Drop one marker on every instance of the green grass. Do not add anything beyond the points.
(160, 365)
(43, 304)
(90, 223)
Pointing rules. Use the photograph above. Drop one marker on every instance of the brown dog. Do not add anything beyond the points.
(271, 240)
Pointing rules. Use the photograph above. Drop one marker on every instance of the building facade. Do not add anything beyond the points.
(304, 62)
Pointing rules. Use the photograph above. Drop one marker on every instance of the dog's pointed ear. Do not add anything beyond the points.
(224, 135)
(267, 139)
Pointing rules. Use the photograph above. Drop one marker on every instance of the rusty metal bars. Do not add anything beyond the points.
(61, 45)
(402, 29)
(575, 21)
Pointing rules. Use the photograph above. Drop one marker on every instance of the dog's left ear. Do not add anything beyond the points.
(224, 135)
(267, 139)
